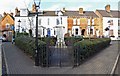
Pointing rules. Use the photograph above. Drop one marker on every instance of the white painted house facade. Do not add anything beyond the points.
(47, 25)
(47, 22)
(113, 28)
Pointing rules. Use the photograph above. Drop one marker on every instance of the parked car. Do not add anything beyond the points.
(3, 38)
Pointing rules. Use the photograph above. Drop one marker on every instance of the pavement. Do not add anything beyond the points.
(18, 62)
(0, 58)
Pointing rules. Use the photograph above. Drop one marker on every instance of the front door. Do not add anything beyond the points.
(48, 32)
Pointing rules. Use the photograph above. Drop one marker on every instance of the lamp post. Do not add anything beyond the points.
(37, 5)
(19, 25)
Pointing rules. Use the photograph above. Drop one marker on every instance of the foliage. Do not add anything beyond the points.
(22, 34)
(86, 48)
(27, 44)
(51, 41)
(72, 40)
(68, 40)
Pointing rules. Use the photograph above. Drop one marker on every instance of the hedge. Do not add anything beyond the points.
(82, 48)
(86, 48)
(27, 44)
(49, 40)
(22, 34)
(68, 40)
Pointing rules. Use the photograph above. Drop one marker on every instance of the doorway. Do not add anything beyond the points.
(83, 31)
(48, 32)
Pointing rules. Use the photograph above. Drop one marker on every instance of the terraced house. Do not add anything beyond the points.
(6, 25)
(81, 22)
(109, 22)
(75, 23)
(47, 21)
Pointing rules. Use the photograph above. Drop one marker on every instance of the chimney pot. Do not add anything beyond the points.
(80, 10)
(16, 11)
(4, 14)
(64, 9)
(34, 8)
(11, 14)
(107, 8)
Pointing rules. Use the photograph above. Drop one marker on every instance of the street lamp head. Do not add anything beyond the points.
(37, 3)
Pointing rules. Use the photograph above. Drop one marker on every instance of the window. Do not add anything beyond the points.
(111, 33)
(61, 20)
(43, 32)
(54, 31)
(23, 30)
(39, 21)
(7, 26)
(10, 33)
(23, 23)
(119, 33)
(92, 21)
(48, 21)
(57, 21)
(91, 31)
(74, 21)
(88, 21)
(76, 31)
(78, 21)
(118, 22)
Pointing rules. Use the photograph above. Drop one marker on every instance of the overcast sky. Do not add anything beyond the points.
(87, 5)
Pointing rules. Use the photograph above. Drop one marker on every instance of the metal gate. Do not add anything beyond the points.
(60, 56)
(56, 56)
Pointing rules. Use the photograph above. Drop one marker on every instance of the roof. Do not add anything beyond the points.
(7, 15)
(12, 17)
(112, 13)
(50, 13)
(85, 13)
(66, 13)
(0, 16)
(43, 13)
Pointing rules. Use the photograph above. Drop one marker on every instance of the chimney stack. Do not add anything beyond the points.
(4, 14)
(107, 8)
(64, 9)
(80, 10)
(34, 8)
(11, 14)
(17, 12)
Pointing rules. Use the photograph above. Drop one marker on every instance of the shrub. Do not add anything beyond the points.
(22, 34)
(27, 44)
(51, 41)
(85, 48)
(72, 40)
